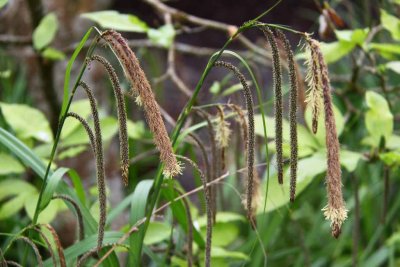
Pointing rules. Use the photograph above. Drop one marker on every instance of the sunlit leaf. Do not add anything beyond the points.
(53, 54)
(9, 165)
(45, 32)
(391, 23)
(27, 122)
(163, 36)
(378, 118)
(157, 232)
(114, 20)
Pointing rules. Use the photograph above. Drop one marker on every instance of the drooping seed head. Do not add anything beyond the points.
(314, 97)
(277, 77)
(141, 87)
(335, 211)
(292, 114)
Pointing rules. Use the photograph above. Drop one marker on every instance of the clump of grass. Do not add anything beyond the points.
(335, 211)
(277, 78)
(141, 87)
(121, 113)
(292, 114)
(251, 134)
(100, 173)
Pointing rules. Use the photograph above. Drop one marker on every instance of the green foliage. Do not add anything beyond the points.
(45, 32)
(116, 21)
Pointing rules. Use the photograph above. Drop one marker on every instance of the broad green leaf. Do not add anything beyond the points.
(138, 212)
(51, 187)
(391, 158)
(13, 205)
(386, 50)
(114, 20)
(378, 118)
(320, 135)
(48, 214)
(11, 187)
(356, 36)
(10, 165)
(3, 3)
(393, 142)
(349, 159)
(391, 23)
(223, 233)
(278, 195)
(108, 125)
(136, 130)
(222, 217)
(53, 54)
(218, 252)
(45, 32)
(163, 36)
(81, 107)
(71, 152)
(27, 122)
(394, 66)
(306, 141)
(156, 233)
(336, 50)
(215, 88)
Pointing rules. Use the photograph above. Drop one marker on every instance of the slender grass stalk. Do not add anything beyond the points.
(251, 134)
(81, 228)
(121, 113)
(277, 77)
(292, 114)
(207, 261)
(95, 140)
(13, 263)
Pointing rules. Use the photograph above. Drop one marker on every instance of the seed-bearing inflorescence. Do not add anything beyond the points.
(292, 114)
(251, 135)
(315, 95)
(100, 172)
(123, 131)
(277, 77)
(335, 211)
(141, 87)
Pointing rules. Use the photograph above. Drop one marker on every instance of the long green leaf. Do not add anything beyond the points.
(51, 187)
(138, 211)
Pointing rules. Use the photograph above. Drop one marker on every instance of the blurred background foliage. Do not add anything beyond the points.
(361, 43)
